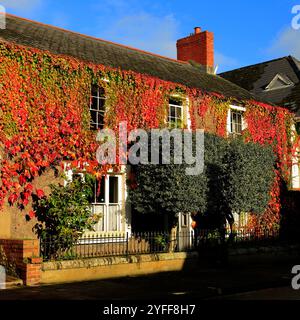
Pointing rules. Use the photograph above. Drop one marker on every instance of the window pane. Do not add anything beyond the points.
(184, 220)
(101, 105)
(179, 123)
(178, 111)
(113, 190)
(175, 101)
(97, 107)
(236, 122)
(100, 120)
(100, 193)
(94, 90)
(175, 113)
(101, 92)
(239, 128)
(94, 103)
(93, 119)
(172, 112)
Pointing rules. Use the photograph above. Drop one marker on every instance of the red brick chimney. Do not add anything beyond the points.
(198, 47)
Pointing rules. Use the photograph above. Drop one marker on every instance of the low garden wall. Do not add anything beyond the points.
(113, 267)
(23, 257)
(135, 265)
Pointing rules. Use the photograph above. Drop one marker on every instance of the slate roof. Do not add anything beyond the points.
(59, 41)
(256, 77)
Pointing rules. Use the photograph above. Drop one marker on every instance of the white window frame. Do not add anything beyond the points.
(186, 117)
(234, 108)
(96, 125)
(179, 107)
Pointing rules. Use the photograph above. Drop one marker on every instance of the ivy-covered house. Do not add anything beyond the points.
(57, 88)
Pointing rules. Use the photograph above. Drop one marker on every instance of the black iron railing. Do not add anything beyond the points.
(114, 244)
(122, 244)
(237, 238)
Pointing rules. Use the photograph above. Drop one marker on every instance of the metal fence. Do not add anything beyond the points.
(242, 237)
(122, 244)
(114, 244)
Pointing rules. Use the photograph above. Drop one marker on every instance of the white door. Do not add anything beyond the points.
(108, 203)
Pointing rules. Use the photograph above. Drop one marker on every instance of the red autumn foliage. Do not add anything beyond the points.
(44, 119)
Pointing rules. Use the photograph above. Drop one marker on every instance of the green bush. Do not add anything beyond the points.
(167, 189)
(248, 176)
(66, 212)
(237, 178)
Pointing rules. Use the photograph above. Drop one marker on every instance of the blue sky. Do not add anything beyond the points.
(246, 32)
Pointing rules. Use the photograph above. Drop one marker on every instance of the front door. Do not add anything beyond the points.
(108, 204)
(184, 232)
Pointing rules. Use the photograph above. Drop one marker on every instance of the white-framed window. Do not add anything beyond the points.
(235, 120)
(107, 202)
(175, 115)
(295, 170)
(97, 107)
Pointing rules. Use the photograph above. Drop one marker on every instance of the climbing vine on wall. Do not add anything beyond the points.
(266, 124)
(44, 116)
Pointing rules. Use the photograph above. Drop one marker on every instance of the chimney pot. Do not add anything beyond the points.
(197, 30)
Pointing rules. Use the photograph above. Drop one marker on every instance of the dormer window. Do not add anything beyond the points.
(175, 116)
(280, 81)
(97, 107)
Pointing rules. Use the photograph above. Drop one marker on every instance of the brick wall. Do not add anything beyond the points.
(24, 255)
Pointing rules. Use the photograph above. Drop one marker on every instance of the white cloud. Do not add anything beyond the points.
(20, 5)
(145, 31)
(287, 42)
(224, 62)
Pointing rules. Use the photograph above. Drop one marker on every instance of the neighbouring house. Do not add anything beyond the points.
(58, 87)
(276, 81)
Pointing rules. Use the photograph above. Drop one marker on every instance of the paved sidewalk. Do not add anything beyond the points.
(281, 293)
(200, 284)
